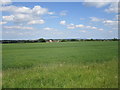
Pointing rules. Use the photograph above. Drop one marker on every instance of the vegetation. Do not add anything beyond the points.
(63, 40)
(60, 65)
(54, 40)
(41, 40)
(74, 40)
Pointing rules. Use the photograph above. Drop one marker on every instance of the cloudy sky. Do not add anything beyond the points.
(58, 20)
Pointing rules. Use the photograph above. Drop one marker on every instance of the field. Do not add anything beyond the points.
(61, 65)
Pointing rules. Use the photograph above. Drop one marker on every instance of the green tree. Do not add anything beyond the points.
(63, 40)
(41, 40)
(74, 40)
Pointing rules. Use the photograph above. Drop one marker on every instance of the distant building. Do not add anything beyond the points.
(50, 40)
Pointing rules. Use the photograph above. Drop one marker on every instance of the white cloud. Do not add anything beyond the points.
(105, 21)
(83, 31)
(94, 27)
(71, 26)
(113, 4)
(117, 17)
(10, 8)
(36, 22)
(22, 10)
(22, 18)
(63, 13)
(5, 2)
(51, 13)
(48, 28)
(91, 27)
(8, 18)
(63, 22)
(100, 29)
(3, 22)
(25, 14)
(95, 19)
(88, 27)
(17, 27)
(18, 18)
(38, 10)
(110, 22)
(97, 3)
(113, 8)
(80, 26)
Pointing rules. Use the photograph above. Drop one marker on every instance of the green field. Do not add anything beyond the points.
(84, 64)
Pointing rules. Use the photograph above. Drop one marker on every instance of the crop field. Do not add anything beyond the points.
(87, 64)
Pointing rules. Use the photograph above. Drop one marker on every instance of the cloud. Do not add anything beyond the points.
(84, 26)
(95, 19)
(117, 17)
(105, 21)
(80, 26)
(3, 23)
(112, 8)
(100, 29)
(48, 28)
(18, 27)
(94, 28)
(8, 18)
(18, 18)
(63, 22)
(5, 2)
(25, 15)
(83, 31)
(36, 22)
(71, 26)
(91, 27)
(51, 13)
(36, 10)
(110, 22)
(97, 3)
(63, 13)
(22, 18)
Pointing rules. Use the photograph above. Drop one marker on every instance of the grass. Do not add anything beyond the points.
(60, 65)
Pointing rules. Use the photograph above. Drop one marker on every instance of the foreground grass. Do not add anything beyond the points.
(95, 75)
(60, 65)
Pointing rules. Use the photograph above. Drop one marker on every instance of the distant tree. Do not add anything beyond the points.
(41, 40)
(91, 39)
(115, 39)
(81, 39)
(74, 40)
(63, 40)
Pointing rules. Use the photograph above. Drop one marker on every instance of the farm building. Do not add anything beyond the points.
(50, 41)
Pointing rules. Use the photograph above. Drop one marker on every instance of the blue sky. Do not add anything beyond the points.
(59, 20)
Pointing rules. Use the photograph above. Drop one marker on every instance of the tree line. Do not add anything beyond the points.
(42, 40)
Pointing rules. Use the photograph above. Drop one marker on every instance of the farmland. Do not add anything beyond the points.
(87, 64)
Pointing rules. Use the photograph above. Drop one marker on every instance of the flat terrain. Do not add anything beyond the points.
(61, 65)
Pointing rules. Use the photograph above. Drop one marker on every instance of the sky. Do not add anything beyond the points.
(59, 20)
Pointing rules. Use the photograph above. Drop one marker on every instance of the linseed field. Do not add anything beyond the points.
(87, 64)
